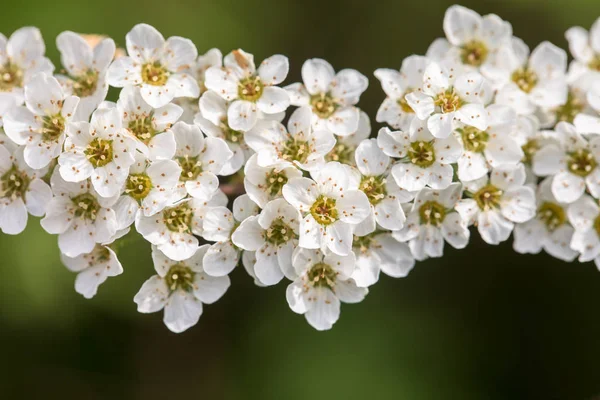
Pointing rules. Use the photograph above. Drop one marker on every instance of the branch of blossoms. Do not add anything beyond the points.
(478, 132)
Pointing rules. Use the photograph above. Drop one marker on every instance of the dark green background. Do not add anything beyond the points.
(482, 323)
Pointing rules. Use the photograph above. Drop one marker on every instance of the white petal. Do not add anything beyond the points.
(152, 295)
(182, 311)
(274, 70)
(317, 74)
(210, 289)
(324, 311)
(220, 259)
(242, 115)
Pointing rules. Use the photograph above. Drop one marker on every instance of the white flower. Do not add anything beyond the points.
(379, 251)
(40, 126)
(584, 215)
(21, 191)
(219, 224)
(324, 279)
(331, 206)
(99, 150)
(93, 268)
(549, 230)
(584, 122)
(212, 58)
(497, 203)
(527, 82)
(79, 216)
(249, 89)
(86, 68)
(21, 58)
(394, 110)
(474, 40)
(585, 48)
(149, 187)
(273, 235)
(332, 96)
(299, 145)
(263, 184)
(573, 160)
(445, 100)
(431, 220)
(180, 288)
(381, 191)
(212, 119)
(174, 229)
(423, 159)
(156, 65)
(489, 148)
(149, 126)
(345, 146)
(200, 159)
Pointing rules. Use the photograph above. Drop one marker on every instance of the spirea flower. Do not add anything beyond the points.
(263, 184)
(21, 58)
(584, 215)
(22, 191)
(432, 220)
(98, 150)
(530, 81)
(496, 203)
(331, 205)
(573, 161)
(273, 235)
(381, 190)
(585, 49)
(380, 252)
(93, 268)
(249, 89)
(219, 225)
(158, 66)
(332, 96)
(149, 187)
(549, 230)
(147, 125)
(200, 158)
(40, 124)
(85, 70)
(423, 160)
(474, 40)
(445, 100)
(299, 145)
(180, 288)
(79, 216)
(395, 110)
(324, 280)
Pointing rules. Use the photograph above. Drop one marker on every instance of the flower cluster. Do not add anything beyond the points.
(477, 132)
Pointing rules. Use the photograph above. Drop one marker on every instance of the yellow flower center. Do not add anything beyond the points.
(279, 233)
(581, 162)
(323, 210)
(374, 188)
(432, 213)
(154, 74)
(488, 197)
(552, 214)
(86, 84)
(322, 275)
(180, 276)
(525, 79)
(179, 218)
(86, 206)
(99, 152)
(421, 154)
(250, 88)
(11, 76)
(323, 105)
(138, 186)
(474, 53)
(448, 101)
(14, 184)
(473, 139)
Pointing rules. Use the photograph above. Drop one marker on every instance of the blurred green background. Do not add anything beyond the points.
(483, 323)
